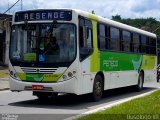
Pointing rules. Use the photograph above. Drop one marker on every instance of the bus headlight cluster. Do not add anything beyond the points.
(69, 75)
(13, 75)
(12, 72)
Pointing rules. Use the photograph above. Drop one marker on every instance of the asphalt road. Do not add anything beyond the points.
(61, 107)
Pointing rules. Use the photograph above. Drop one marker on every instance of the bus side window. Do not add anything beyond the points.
(85, 38)
(152, 47)
(81, 36)
(102, 37)
(126, 40)
(88, 34)
(143, 44)
(114, 39)
(136, 43)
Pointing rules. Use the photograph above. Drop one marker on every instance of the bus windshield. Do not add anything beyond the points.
(43, 43)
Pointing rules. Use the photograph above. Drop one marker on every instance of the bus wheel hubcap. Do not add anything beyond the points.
(98, 89)
(140, 81)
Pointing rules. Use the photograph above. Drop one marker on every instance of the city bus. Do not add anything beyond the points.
(56, 51)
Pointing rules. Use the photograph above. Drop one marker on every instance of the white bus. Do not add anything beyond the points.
(71, 51)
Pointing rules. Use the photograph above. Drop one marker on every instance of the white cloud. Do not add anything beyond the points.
(105, 8)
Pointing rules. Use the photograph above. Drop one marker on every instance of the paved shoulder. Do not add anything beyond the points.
(4, 84)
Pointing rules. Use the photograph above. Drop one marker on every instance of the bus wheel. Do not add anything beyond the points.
(139, 86)
(97, 88)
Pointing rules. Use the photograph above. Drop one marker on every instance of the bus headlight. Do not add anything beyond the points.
(14, 75)
(70, 74)
(11, 73)
(74, 72)
(64, 77)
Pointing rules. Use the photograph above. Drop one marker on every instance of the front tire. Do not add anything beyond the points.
(139, 86)
(97, 88)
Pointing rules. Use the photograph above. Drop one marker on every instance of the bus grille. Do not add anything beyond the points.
(39, 70)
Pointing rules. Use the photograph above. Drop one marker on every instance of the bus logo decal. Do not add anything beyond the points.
(38, 70)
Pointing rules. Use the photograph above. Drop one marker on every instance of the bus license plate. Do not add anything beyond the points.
(37, 87)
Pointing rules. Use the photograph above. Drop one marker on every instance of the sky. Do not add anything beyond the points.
(105, 8)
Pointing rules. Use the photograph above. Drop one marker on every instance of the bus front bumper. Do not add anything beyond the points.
(68, 86)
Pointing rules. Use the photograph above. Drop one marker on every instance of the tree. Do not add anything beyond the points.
(116, 18)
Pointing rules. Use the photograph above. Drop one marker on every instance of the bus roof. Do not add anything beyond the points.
(117, 24)
(105, 21)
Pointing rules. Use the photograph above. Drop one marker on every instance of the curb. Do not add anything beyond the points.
(4, 89)
(4, 79)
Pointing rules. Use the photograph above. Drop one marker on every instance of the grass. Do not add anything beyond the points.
(4, 72)
(147, 107)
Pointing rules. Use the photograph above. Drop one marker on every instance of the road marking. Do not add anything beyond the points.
(111, 105)
(5, 91)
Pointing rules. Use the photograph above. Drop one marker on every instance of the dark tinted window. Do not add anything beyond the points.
(125, 43)
(114, 34)
(135, 43)
(82, 41)
(81, 36)
(85, 38)
(88, 41)
(136, 38)
(114, 39)
(144, 48)
(153, 50)
(152, 46)
(102, 30)
(152, 42)
(126, 36)
(102, 36)
(144, 40)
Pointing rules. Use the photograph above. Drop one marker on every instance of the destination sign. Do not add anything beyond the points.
(43, 15)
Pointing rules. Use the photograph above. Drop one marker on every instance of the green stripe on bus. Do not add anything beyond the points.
(39, 77)
(112, 61)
